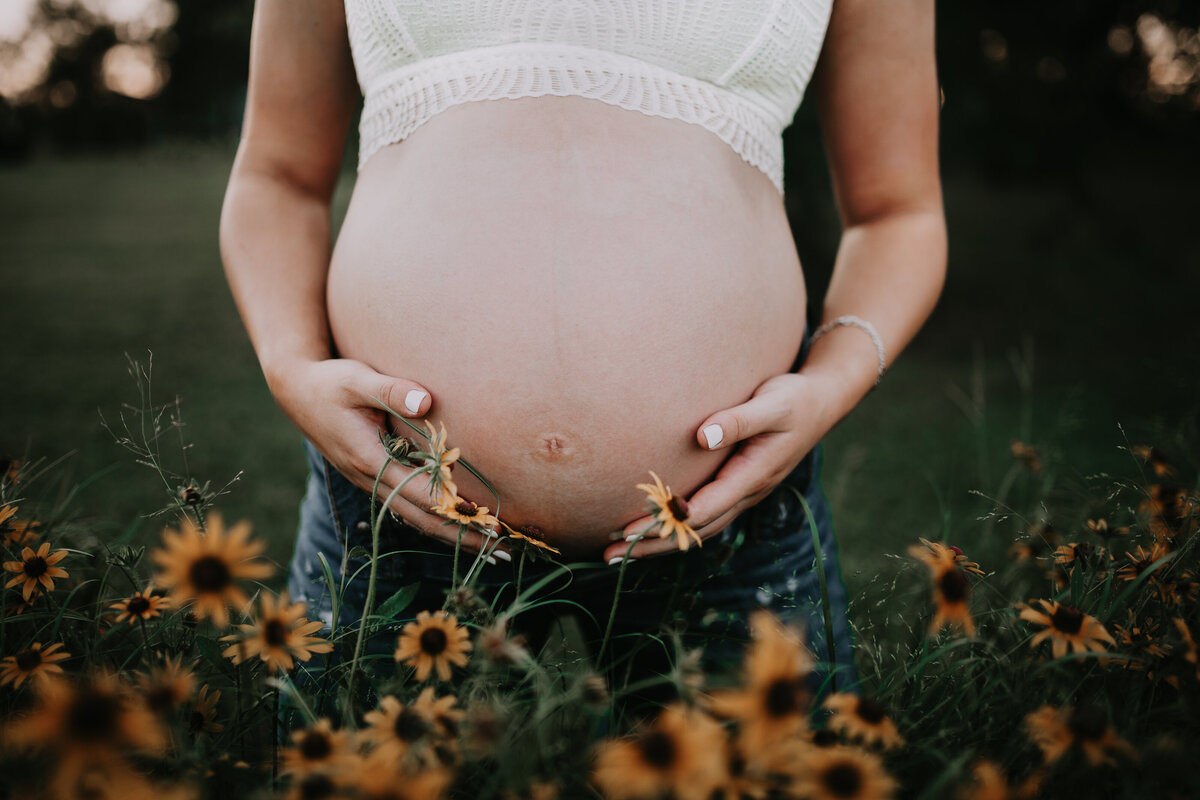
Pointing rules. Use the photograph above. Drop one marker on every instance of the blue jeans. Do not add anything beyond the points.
(765, 558)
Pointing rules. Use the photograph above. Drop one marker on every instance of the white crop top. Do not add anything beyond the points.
(739, 68)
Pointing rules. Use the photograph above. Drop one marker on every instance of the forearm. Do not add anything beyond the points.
(889, 272)
(275, 247)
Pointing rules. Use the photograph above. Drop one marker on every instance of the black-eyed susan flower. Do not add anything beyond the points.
(670, 512)
(841, 773)
(1066, 627)
(203, 715)
(681, 752)
(142, 605)
(951, 590)
(938, 552)
(1072, 553)
(1179, 588)
(17, 532)
(862, 718)
(279, 635)
(1101, 528)
(36, 570)
(204, 567)
(775, 699)
(527, 539)
(759, 775)
(1140, 560)
(317, 748)
(7, 512)
(454, 508)
(1027, 454)
(166, 687)
(34, 662)
(1172, 512)
(444, 459)
(380, 778)
(395, 730)
(93, 720)
(433, 640)
(1140, 638)
(442, 712)
(1155, 459)
(1056, 730)
(315, 786)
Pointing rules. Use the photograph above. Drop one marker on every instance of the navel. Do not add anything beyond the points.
(555, 447)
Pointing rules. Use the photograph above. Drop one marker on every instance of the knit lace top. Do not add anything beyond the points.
(739, 68)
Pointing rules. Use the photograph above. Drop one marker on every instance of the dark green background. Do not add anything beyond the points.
(1071, 205)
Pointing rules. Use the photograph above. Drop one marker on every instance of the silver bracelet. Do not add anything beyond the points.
(850, 319)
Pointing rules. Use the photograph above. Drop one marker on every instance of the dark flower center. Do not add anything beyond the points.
(658, 749)
(1141, 566)
(210, 575)
(410, 726)
(315, 746)
(36, 567)
(953, 585)
(275, 633)
(196, 721)
(137, 605)
(1067, 620)
(824, 737)
(29, 659)
(433, 641)
(956, 550)
(316, 787)
(678, 507)
(870, 710)
(466, 508)
(783, 697)
(843, 780)
(160, 698)
(1087, 723)
(532, 531)
(93, 715)
(192, 496)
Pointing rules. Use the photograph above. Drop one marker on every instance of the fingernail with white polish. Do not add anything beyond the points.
(713, 434)
(412, 400)
(491, 560)
(618, 559)
(629, 537)
(503, 556)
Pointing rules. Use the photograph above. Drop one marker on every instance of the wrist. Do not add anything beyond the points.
(843, 366)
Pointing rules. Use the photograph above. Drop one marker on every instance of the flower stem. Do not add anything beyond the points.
(369, 603)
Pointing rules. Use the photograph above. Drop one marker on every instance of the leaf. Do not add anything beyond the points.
(391, 608)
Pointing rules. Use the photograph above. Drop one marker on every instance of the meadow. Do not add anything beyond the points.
(1055, 385)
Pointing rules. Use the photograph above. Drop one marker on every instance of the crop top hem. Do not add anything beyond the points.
(401, 100)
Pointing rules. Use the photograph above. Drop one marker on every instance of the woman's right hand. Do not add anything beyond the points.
(339, 404)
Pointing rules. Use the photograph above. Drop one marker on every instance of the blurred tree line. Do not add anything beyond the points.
(1029, 88)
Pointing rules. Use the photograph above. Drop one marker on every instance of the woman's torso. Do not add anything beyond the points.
(579, 286)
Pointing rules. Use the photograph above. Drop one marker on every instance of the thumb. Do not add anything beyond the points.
(398, 395)
(726, 428)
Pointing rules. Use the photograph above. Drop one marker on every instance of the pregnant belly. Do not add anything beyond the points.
(579, 287)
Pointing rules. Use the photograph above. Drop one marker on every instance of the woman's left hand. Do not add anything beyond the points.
(774, 430)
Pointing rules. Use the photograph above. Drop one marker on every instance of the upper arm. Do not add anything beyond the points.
(878, 100)
(302, 93)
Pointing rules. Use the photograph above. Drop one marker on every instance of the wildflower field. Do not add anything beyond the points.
(169, 667)
(1022, 574)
